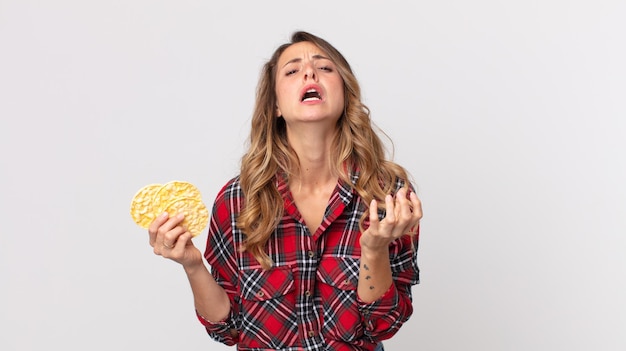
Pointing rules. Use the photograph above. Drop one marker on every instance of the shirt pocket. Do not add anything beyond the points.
(268, 308)
(338, 278)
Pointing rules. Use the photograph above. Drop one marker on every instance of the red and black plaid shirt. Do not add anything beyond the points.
(308, 299)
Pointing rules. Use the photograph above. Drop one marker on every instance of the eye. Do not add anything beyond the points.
(290, 72)
(326, 68)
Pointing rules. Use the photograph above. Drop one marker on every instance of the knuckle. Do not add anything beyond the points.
(167, 236)
(162, 231)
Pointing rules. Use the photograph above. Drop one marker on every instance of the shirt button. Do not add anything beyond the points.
(311, 254)
(261, 294)
(346, 282)
(311, 334)
(307, 293)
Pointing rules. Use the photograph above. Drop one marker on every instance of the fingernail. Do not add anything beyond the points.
(163, 215)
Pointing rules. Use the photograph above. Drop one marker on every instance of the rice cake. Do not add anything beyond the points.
(173, 197)
(141, 208)
(196, 214)
(172, 191)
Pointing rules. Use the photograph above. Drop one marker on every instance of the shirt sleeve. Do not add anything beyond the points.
(220, 331)
(221, 256)
(384, 317)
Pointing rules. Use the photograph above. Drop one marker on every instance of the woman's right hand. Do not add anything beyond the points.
(171, 240)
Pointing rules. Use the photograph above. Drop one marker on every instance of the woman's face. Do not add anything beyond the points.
(308, 85)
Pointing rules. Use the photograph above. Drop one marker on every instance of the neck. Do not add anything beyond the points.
(313, 149)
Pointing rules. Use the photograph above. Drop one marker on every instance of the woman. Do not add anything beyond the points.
(308, 246)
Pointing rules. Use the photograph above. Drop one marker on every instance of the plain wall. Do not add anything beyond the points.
(510, 115)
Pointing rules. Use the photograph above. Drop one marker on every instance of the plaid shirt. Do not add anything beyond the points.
(308, 299)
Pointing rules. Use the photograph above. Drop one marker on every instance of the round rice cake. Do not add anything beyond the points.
(142, 206)
(196, 213)
(172, 191)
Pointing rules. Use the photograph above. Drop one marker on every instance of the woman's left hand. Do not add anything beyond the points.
(402, 217)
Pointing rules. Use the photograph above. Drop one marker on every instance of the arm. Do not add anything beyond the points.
(384, 317)
(221, 255)
(375, 276)
(388, 265)
(211, 292)
(170, 240)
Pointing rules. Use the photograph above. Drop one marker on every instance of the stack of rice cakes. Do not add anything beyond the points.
(173, 197)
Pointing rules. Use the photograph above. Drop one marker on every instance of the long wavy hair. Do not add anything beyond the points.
(358, 147)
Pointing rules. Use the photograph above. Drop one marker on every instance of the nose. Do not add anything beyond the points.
(309, 72)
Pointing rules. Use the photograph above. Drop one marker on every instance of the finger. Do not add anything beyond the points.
(183, 240)
(397, 203)
(374, 221)
(171, 236)
(404, 214)
(390, 215)
(416, 204)
(172, 222)
(167, 246)
(417, 213)
(154, 227)
(404, 207)
(387, 224)
(167, 242)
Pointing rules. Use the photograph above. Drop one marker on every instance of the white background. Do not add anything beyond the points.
(509, 114)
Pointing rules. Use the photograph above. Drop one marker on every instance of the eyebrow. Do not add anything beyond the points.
(298, 59)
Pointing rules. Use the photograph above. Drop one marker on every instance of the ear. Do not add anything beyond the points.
(278, 113)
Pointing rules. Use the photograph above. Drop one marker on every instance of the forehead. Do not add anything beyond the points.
(300, 50)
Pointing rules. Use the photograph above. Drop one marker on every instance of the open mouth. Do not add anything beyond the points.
(311, 95)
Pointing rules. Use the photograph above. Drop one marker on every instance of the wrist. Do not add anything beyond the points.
(374, 253)
(194, 269)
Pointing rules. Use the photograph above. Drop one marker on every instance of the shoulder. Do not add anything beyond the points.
(231, 187)
(231, 190)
